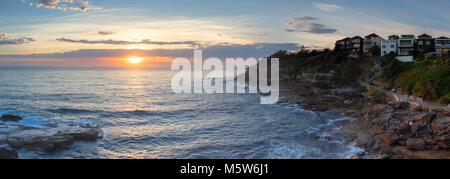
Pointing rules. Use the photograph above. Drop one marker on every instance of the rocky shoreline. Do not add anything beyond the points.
(385, 127)
(53, 137)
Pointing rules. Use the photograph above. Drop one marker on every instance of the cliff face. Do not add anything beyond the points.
(390, 126)
(387, 122)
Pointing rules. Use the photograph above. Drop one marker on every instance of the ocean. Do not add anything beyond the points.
(143, 118)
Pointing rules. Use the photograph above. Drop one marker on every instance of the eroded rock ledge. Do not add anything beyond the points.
(57, 136)
(395, 130)
(387, 128)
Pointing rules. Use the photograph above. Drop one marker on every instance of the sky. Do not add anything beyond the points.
(107, 32)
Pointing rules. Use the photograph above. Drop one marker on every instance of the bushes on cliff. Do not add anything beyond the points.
(350, 73)
(374, 93)
(392, 68)
(429, 78)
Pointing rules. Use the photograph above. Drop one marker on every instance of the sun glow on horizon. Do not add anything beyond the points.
(134, 60)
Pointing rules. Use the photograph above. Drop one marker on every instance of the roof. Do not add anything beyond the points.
(372, 35)
(356, 37)
(424, 35)
(442, 37)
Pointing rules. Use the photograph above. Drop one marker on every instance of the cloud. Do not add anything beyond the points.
(77, 5)
(105, 33)
(123, 42)
(220, 51)
(261, 34)
(307, 24)
(4, 40)
(327, 7)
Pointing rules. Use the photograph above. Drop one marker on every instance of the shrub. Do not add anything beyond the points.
(350, 73)
(444, 100)
(362, 89)
(429, 78)
(374, 93)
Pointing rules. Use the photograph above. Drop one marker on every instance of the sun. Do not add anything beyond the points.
(134, 60)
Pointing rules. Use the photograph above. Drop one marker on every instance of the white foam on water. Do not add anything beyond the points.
(292, 151)
(353, 150)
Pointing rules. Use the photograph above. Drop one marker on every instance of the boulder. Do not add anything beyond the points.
(7, 152)
(389, 138)
(443, 140)
(424, 117)
(416, 144)
(400, 105)
(441, 125)
(10, 117)
(355, 157)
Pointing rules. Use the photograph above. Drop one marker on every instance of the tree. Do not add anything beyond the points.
(429, 49)
(375, 51)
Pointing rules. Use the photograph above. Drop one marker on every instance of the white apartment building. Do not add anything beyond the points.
(406, 44)
(442, 45)
(388, 46)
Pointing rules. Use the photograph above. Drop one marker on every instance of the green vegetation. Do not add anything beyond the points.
(350, 73)
(362, 89)
(374, 93)
(346, 69)
(428, 78)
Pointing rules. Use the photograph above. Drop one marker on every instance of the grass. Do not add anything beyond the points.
(426, 79)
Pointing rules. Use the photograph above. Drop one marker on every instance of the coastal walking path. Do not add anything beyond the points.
(402, 98)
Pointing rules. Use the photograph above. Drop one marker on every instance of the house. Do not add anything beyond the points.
(406, 44)
(351, 46)
(390, 45)
(442, 45)
(424, 42)
(357, 45)
(344, 46)
(371, 41)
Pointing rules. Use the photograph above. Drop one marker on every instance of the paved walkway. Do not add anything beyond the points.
(402, 98)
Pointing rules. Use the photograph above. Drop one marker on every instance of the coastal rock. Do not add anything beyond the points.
(424, 117)
(7, 152)
(39, 139)
(389, 138)
(443, 140)
(7, 129)
(61, 136)
(355, 157)
(400, 105)
(441, 125)
(80, 132)
(416, 144)
(10, 117)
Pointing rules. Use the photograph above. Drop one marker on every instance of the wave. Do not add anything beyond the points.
(73, 111)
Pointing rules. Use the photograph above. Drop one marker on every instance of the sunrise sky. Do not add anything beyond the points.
(108, 32)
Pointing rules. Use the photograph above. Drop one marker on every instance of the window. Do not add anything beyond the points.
(392, 46)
